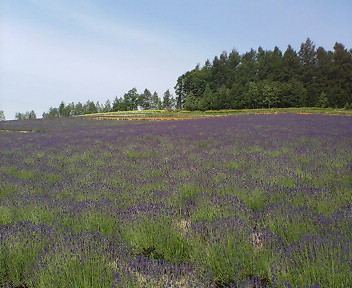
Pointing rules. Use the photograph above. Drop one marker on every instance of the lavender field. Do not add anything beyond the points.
(235, 201)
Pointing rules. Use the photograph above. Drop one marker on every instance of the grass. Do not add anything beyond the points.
(17, 256)
(66, 270)
(313, 265)
(31, 212)
(157, 238)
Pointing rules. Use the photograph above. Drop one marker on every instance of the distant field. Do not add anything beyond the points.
(178, 115)
(229, 201)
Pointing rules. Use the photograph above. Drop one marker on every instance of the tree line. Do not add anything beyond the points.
(131, 100)
(269, 78)
(20, 116)
(26, 115)
(310, 77)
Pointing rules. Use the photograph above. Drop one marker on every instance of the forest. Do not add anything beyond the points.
(311, 77)
(263, 79)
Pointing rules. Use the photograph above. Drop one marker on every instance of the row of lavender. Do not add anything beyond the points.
(237, 201)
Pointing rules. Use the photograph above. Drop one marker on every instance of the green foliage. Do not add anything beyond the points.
(254, 199)
(136, 154)
(25, 116)
(156, 102)
(312, 264)
(17, 256)
(31, 212)
(145, 100)
(7, 189)
(64, 269)
(72, 109)
(130, 101)
(188, 191)
(323, 100)
(90, 221)
(289, 228)
(22, 174)
(168, 101)
(2, 115)
(232, 254)
(262, 78)
(191, 102)
(158, 238)
(207, 100)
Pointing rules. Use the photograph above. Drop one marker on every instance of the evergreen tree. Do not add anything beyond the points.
(191, 103)
(52, 113)
(107, 106)
(65, 110)
(269, 64)
(248, 70)
(234, 59)
(62, 109)
(324, 67)
(307, 56)
(167, 100)
(90, 107)
(156, 102)
(25, 116)
(19, 116)
(98, 107)
(206, 102)
(181, 92)
(70, 108)
(2, 115)
(31, 115)
(78, 109)
(276, 65)
(219, 71)
(341, 78)
(290, 64)
(292, 79)
(118, 105)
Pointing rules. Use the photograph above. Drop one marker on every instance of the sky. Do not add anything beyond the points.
(76, 50)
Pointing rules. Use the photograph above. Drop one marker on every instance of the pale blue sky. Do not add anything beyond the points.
(75, 50)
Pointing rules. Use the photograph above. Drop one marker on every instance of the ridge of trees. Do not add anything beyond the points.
(269, 78)
(311, 77)
(131, 100)
(25, 116)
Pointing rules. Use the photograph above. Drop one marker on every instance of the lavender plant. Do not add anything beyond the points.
(235, 201)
